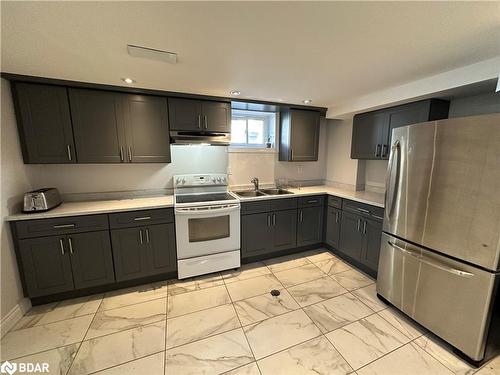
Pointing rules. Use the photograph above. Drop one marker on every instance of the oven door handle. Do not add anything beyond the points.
(194, 211)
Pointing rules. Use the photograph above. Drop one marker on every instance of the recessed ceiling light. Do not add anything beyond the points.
(235, 92)
(307, 101)
(128, 80)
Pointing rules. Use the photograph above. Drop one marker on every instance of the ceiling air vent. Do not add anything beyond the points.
(151, 53)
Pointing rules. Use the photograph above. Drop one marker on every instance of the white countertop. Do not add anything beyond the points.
(134, 204)
(98, 207)
(374, 199)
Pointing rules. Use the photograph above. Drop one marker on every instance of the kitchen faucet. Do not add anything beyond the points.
(255, 182)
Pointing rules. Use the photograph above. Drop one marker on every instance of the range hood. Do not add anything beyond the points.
(194, 137)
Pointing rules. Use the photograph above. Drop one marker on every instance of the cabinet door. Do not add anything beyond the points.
(147, 133)
(162, 249)
(91, 259)
(217, 116)
(304, 135)
(98, 126)
(185, 114)
(310, 226)
(44, 123)
(369, 135)
(333, 227)
(351, 236)
(285, 229)
(256, 234)
(372, 231)
(130, 253)
(46, 265)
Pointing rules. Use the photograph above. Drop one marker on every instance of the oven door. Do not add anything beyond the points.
(207, 230)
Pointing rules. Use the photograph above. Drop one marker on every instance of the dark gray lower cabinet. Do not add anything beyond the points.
(256, 234)
(333, 218)
(162, 250)
(284, 224)
(45, 265)
(351, 238)
(360, 239)
(310, 226)
(372, 231)
(91, 259)
(143, 251)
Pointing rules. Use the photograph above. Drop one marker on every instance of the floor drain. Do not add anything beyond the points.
(275, 292)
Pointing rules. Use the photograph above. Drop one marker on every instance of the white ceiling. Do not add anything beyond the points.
(329, 52)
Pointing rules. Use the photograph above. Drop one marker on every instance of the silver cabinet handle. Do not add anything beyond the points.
(359, 225)
(291, 153)
(206, 122)
(378, 217)
(268, 220)
(274, 219)
(363, 210)
(384, 151)
(61, 226)
(142, 218)
(140, 236)
(337, 217)
(129, 153)
(431, 263)
(61, 244)
(147, 235)
(312, 201)
(364, 227)
(199, 121)
(301, 216)
(69, 152)
(121, 153)
(70, 243)
(377, 150)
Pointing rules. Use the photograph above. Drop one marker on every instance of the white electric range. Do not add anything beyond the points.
(207, 224)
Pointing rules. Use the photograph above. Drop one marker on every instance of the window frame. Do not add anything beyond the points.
(254, 115)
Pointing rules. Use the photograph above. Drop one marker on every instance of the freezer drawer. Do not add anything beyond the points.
(450, 298)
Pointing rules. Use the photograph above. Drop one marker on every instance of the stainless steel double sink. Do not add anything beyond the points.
(261, 192)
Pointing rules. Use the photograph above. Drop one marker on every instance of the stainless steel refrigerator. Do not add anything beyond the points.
(440, 252)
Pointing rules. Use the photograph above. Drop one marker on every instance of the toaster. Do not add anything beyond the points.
(41, 200)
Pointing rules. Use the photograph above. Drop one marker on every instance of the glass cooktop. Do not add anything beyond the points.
(210, 197)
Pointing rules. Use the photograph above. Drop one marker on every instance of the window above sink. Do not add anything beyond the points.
(253, 129)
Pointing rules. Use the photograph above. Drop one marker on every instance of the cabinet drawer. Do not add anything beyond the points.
(312, 201)
(255, 207)
(139, 218)
(60, 225)
(334, 201)
(283, 204)
(363, 209)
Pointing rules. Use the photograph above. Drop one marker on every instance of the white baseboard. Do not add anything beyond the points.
(13, 316)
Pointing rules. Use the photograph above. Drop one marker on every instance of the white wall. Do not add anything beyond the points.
(243, 166)
(375, 172)
(14, 180)
(341, 170)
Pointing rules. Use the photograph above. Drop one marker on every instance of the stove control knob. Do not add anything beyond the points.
(219, 179)
(214, 180)
(183, 181)
(177, 181)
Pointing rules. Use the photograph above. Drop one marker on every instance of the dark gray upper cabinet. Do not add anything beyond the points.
(129, 253)
(256, 234)
(44, 123)
(333, 219)
(146, 129)
(91, 259)
(299, 135)
(372, 231)
(284, 229)
(199, 115)
(371, 131)
(113, 127)
(46, 265)
(310, 226)
(98, 125)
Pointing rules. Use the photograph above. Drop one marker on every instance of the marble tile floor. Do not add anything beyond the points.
(326, 320)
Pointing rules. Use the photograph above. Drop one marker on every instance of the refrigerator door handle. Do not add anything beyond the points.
(431, 263)
(396, 147)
